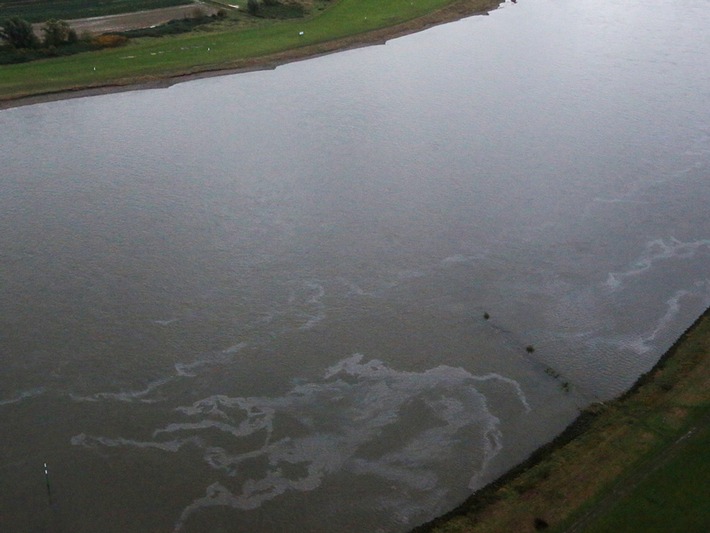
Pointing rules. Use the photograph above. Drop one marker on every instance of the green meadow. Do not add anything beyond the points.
(674, 497)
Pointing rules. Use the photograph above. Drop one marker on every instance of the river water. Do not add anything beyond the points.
(256, 302)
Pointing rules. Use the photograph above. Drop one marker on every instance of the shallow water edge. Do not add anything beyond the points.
(488, 495)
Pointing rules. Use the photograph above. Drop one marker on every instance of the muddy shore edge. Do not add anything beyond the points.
(583, 425)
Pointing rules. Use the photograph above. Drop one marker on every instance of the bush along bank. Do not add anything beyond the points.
(20, 43)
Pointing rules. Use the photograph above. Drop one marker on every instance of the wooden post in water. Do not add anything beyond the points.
(46, 479)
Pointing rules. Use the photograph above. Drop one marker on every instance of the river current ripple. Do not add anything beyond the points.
(344, 294)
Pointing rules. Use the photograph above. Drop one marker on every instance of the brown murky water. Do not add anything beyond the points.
(256, 302)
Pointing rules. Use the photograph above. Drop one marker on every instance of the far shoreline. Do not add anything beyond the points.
(451, 13)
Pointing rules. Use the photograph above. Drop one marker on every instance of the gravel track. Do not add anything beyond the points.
(133, 21)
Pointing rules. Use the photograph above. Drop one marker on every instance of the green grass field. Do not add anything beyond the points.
(673, 498)
(150, 58)
(42, 10)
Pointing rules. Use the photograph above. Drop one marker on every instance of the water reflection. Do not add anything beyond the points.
(268, 290)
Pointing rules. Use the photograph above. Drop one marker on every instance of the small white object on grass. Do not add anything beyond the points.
(300, 33)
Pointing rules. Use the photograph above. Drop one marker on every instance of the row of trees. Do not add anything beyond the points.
(18, 33)
(253, 5)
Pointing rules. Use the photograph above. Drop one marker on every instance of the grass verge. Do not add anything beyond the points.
(345, 24)
(674, 497)
(647, 450)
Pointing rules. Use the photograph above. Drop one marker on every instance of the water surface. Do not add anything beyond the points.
(256, 302)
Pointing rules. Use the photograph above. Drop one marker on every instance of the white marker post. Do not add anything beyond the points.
(46, 478)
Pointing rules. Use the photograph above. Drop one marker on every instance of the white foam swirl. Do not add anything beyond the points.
(655, 251)
(126, 396)
(214, 358)
(31, 393)
(362, 418)
(644, 344)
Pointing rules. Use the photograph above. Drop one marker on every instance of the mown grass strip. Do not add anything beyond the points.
(149, 59)
(673, 497)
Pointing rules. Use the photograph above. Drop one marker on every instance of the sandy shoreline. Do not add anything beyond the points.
(451, 13)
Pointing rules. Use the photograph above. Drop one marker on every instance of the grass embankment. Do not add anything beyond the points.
(639, 463)
(672, 498)
(344, 24)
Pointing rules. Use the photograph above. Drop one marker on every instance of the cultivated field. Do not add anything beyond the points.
(41, 10)
(140, 19)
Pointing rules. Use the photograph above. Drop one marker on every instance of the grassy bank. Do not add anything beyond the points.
(639, 463)
(673, 497)
(344, 24)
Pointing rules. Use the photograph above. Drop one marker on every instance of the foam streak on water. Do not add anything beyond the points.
(342, 418)
(126, 396)
(646, 342)
(23, 396)
(187, 306)
(656, 251)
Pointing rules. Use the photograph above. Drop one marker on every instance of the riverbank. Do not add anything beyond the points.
(154, 63)
(577, 480)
